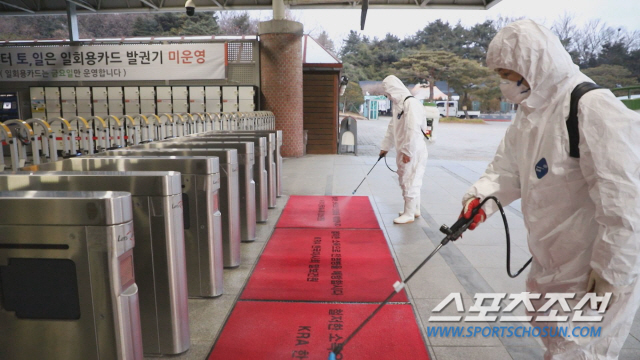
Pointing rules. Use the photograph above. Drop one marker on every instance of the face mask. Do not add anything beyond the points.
(514, 91)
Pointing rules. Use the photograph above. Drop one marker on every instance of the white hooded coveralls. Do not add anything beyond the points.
(581, 214)
(405, 134)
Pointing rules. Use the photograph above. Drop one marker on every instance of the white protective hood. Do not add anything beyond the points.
(581, 214)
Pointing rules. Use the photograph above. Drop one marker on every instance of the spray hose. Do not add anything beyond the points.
(451, 234)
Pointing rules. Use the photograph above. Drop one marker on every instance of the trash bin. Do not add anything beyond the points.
(67, 281)
(348, 135)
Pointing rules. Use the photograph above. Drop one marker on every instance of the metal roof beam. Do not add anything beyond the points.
(150, 4)
(17, 7)
(220, 5)
(82, 5)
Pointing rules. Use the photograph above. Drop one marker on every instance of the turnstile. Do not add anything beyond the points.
(67, 284)
(200, 206)
(246, 160)
(229, 193)
(261, 176)
(277, 144)
(159, 252)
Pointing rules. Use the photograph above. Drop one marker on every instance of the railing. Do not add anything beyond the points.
(36, 140)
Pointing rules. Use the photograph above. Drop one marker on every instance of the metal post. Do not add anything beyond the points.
(72, 22)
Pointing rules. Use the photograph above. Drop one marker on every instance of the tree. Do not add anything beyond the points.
(106, 25)
(611, 76)
(202, 23)
(325, 41)
(237, 23)
(352, 98)
(146, 25)
(469, 77)
(478, 39)
(427, 65)
(350, 44)
(437, 35)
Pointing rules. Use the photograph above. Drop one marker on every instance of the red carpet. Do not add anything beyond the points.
(324, 265)
(335, 212)
(273, 330)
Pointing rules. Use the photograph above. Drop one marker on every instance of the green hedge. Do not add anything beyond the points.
(633, 104)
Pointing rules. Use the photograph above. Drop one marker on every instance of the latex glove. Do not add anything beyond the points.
(600, 286)
(469, 205)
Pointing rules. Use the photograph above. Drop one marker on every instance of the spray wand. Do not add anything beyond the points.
(451, 234)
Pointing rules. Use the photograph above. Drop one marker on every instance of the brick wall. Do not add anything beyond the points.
(281, 78)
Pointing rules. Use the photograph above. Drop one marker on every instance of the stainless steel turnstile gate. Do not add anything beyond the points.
(200, 205)
(68, 288)
(159, 252)
(246, 160)
(260, 175)
(277, 141)
(229, 193)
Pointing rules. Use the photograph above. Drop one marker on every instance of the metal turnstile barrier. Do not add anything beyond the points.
(229, 193)
(159, 252)
(260, 174)
(246, 160)
(67, 280)
(200, 206)
(277, 146)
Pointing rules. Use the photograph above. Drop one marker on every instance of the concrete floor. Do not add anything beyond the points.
(473, 264)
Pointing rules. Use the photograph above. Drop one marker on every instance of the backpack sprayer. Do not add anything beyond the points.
(451, 234)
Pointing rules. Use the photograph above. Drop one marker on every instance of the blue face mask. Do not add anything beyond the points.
(514, 91)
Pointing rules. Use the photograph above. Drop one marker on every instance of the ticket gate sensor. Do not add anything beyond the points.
(67, 282)
(246, 160)
(200, 206)
(159, 252)
(260, 174)
(229, 193)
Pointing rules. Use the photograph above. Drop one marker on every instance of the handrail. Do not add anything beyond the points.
(144, 123)
(7, 136)
(35, 151)
(101, 126)
(181, 123)
(131, 124)
(158, 126)
(87, 140)
(188, 125)
(47, 137)
(119, 136)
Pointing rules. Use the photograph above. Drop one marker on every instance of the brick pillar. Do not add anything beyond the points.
(281, 80)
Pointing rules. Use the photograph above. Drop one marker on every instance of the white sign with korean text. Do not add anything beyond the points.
(195, 61)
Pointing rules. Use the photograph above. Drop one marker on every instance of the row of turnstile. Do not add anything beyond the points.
(99, 253)
(40, 140)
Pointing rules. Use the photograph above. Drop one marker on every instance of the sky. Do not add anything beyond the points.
(402, 23)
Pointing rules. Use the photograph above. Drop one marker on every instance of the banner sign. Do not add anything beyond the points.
(194, 61)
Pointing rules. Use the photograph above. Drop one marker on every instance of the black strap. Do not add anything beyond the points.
(572, 121)
(402, 112)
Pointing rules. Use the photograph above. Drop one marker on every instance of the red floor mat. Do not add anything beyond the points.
(328, 212)
(274, 330)
(324, 265)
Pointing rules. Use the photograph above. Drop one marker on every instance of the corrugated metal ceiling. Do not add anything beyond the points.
(45, 7)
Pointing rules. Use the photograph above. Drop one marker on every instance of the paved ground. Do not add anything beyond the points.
(469, 266)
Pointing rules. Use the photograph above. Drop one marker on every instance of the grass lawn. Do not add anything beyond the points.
(456, 120)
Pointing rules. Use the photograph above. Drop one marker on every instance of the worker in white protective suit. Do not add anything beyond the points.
(582, 214)
(406, 133)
